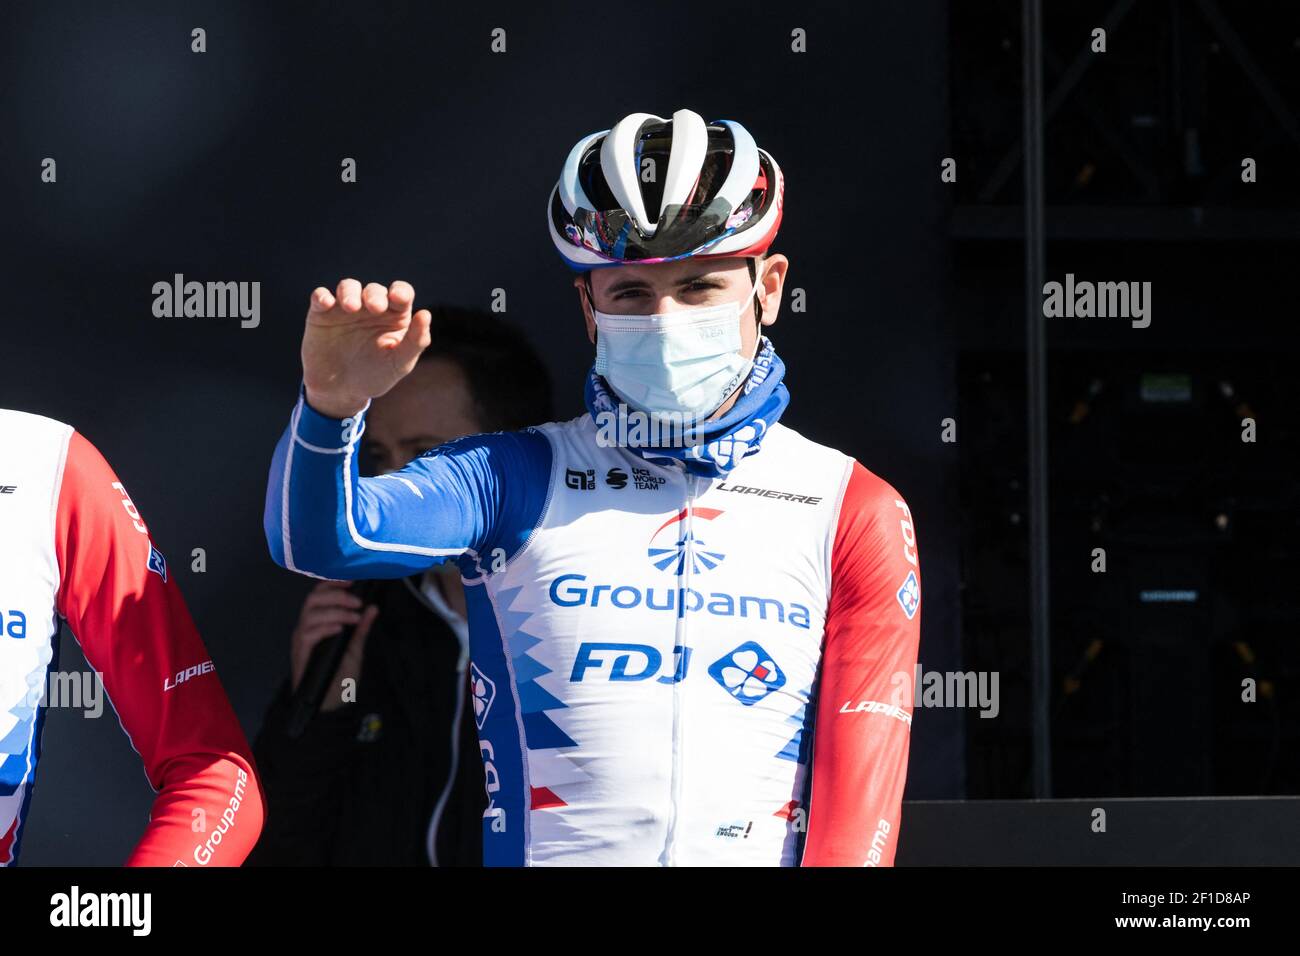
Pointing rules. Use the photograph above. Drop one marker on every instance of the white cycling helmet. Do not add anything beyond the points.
(713, 191)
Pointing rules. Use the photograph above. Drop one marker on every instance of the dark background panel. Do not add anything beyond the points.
(225, 166)
(1143, 150)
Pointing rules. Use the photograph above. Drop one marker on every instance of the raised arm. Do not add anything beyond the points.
(477, 497)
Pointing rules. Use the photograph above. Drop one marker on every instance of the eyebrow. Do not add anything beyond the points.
(634, 283)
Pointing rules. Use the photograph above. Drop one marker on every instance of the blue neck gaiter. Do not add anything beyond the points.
(712, 448)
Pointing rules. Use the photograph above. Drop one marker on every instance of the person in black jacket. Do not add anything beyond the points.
(388, 772)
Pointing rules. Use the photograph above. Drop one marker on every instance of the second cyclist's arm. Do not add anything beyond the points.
(127, 612)
(478, 497)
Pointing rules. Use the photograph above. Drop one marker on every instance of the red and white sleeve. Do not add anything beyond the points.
(124, 607)
(864, 696)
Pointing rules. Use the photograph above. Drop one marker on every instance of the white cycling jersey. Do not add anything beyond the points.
(669, 668)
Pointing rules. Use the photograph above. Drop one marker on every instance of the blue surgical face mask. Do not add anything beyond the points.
(685, 362)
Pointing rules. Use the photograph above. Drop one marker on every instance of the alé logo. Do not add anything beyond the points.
(672, 545)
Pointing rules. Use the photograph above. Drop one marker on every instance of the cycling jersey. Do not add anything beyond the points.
(73, 546)
(672, 663)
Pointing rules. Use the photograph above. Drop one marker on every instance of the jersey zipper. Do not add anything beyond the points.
(462, 676)
(453, 771)
(679, 647)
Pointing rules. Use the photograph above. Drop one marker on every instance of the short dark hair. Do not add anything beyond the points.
(508, 382)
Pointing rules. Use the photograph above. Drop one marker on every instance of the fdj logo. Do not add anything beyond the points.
(909, 595)
(484, 691)
(748, 673)
(672, 544)
(628, 662)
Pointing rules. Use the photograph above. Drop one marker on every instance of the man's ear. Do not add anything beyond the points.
(581, 283)
(771, 284)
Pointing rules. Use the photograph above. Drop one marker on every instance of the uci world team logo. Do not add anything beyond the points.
(672, 544)
(747, 673)
(484, 692)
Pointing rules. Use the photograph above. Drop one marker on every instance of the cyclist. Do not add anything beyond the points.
(693, 632)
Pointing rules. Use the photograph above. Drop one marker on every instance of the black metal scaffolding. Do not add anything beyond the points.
(1036, 369)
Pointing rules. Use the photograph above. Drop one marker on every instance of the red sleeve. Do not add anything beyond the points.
(864, 697)
(121, 601)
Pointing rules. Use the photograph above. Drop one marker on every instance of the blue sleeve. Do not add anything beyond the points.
(463, 501)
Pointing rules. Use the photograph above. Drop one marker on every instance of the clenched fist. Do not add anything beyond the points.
(359, 343)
